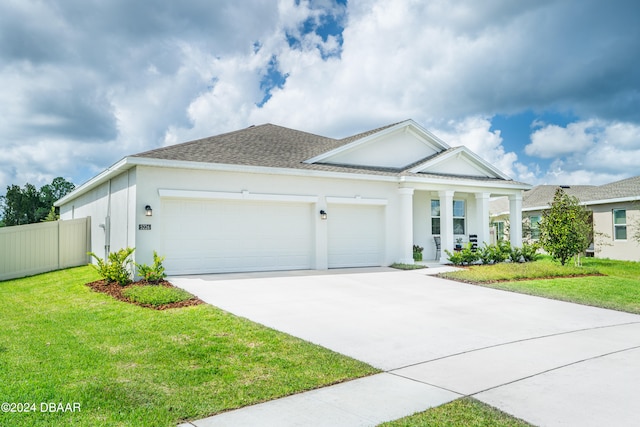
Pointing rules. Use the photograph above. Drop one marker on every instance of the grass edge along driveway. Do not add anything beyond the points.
(599, 282)
(127, 365)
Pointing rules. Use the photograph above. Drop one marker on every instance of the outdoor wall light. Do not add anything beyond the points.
(323, 215)
(149, 211)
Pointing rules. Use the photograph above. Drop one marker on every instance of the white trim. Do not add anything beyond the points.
(587, 203)
(465, 185)
(423, 135)
(243, 195)
(356, 201)
(129, 162)
(112, 171)
(471, 158)
(223, 167)
(606, 201)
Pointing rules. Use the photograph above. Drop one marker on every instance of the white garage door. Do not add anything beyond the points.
(356, 235)
(215, 236)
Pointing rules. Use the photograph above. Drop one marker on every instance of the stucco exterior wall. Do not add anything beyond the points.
(109, 203)
(152, 179)
(123, 198)
(608, 247)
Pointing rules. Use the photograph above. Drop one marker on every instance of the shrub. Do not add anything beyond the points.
(494, 254)
(485, 254)
(154, 273)
(156, 295)
(515, 254)
(503, 251)
(464, 257)
(530, 252)
(454, 258)
(469, 256)
(117, 267)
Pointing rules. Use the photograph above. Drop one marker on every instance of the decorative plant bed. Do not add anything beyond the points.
(118, 292)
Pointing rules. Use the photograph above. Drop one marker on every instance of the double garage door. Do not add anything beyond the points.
(217, 236)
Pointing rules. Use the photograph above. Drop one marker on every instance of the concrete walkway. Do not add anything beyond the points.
(548, 362)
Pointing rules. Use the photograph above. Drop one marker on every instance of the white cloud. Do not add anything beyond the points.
(551, 140)
(475, 134)
(590, 151)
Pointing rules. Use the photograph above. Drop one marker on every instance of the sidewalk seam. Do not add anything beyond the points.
(511, 342)
(557, 367)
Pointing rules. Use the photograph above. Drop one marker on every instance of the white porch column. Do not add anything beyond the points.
(515, 219)
(482, 218)
(446, 223)
(406, 225)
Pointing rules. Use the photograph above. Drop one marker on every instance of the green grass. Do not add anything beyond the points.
(466, 412)
(543, 268)
(127, 365)
(617, 289)
(401, 266)
(156, 294)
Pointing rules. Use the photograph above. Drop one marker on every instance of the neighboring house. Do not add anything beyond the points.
(615, 211)
(273, 198)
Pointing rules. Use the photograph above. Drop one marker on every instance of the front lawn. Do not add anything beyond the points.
(122, 364)
(467, 412)
(604, 283)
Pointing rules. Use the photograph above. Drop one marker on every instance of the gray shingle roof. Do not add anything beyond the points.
(264, 145)
(278, 147)
(629, 187)
(542, 195)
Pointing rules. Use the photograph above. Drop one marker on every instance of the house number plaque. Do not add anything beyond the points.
(144, 226)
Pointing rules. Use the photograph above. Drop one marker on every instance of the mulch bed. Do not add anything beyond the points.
(116, 291)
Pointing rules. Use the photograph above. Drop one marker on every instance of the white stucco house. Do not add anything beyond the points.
(272, 198)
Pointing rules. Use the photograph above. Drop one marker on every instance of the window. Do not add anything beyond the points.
(620, 224)
(535, 227)
(458, 217)
(435, 217)
(500, 230)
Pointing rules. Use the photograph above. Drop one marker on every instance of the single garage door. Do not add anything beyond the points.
(356, 235)
(216, 236)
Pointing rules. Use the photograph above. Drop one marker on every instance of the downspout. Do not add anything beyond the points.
(107, 225)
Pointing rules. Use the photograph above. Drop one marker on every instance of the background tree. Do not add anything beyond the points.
(28, 205)
(565, 229)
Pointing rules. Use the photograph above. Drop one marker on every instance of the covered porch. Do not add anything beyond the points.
(452, 215)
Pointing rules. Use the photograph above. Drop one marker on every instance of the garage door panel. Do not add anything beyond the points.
(356, 236)
(227, 236)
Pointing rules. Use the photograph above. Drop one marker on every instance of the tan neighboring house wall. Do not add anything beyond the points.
(606, 243)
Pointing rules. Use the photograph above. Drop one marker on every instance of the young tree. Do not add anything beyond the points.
(51, 216)
(565, 229)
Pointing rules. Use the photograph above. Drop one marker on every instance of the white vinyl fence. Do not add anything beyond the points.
(37, 248)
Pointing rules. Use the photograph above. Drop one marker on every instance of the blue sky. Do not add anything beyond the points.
(547, 91)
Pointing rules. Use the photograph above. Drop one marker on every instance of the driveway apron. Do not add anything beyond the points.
(545, 361)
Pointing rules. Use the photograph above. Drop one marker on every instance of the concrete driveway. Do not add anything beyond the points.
(545, 361)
